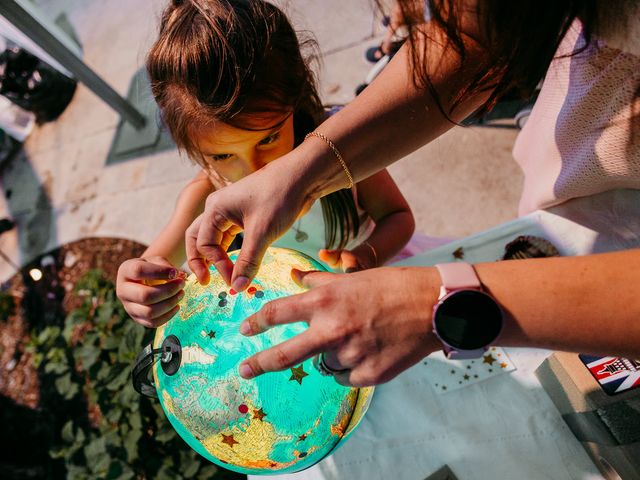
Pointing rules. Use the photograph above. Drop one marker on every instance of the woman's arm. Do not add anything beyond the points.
(170, 242)
(586, 304)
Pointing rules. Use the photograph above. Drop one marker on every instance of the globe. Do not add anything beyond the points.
(276, 423)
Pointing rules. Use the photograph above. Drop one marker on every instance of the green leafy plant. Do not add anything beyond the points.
(115, 433)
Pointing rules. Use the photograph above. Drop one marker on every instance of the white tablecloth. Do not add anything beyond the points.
(505, 427)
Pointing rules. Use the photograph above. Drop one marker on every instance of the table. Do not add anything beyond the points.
(505, 427)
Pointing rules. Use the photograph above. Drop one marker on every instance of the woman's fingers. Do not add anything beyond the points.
(284, 355)
(277, 312)
(254, 245)
(312, 278)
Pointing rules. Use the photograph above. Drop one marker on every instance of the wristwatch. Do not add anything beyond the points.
(466, 319)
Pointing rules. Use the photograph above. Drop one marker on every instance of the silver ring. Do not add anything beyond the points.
(324, 369)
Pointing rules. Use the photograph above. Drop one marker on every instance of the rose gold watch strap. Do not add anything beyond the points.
(458, 275)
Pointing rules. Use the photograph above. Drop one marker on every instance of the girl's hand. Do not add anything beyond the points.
(348, 261)
(150, 289)
(374, 323)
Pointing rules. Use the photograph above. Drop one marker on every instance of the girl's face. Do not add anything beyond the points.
(235, 153)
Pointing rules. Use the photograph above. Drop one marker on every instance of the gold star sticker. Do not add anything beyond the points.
(466, 377)
(298, 373)
(458, 253)
(302, 437)
(488, 359)
(229, 440)
(503, 365)
(211, 334)
(259, 414)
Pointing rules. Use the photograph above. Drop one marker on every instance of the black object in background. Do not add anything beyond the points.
(33, 85)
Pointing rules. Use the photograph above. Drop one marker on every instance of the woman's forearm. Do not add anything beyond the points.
(588, 304)
(391, 118)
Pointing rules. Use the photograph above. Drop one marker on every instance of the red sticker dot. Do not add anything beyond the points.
(251, 289)
(232, 291)
(243, 408)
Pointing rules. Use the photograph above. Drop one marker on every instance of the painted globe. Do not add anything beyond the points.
(278, 422)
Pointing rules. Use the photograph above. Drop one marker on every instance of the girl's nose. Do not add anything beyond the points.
(257, 161)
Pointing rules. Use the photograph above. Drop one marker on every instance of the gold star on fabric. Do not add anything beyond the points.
(488, 359)
(259, 414)
(229, 440)
(298, 373)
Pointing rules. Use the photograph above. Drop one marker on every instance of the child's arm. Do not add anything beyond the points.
(150, 287)
(380, 197)
(170, 242)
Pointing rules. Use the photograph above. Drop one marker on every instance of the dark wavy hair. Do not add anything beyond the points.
(520, 38)
(231, 61)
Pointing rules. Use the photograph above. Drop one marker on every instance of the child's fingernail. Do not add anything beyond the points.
(245, 328)
(240, 283)
(246, 371)
(173, 273)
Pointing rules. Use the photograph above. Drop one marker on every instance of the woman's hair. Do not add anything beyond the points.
(233, 61)
(520, 37)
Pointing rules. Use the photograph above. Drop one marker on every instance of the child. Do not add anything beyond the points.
(236, 94)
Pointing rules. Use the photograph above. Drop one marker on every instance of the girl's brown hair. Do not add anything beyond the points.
(231, 61)
(520, 38)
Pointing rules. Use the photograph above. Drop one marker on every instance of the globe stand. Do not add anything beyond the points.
(170, 356)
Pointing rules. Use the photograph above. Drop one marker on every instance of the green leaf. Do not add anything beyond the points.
(95, 449)
(119, 380)
(207, 472)
(131, 444)
(57, 368)
(87, 355)
(189, 467)
(63, 384)
(165, 435)
(67, 432)
(135, 420)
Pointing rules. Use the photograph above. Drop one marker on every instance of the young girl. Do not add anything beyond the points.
(236, 94)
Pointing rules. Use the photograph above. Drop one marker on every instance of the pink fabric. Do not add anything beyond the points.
(583, 136)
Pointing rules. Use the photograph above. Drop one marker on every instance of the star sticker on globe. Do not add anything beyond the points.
(229, 440)
(259, 414)
(211, 334)
(298, 373)
(488, 358)
(302, 437)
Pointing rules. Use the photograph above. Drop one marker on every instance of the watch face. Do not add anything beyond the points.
(468, 320)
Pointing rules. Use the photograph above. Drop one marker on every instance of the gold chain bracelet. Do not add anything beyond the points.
(335, 151)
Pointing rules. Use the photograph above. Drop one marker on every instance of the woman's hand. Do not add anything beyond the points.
(264, 204)
(375, 323)
(150, 289)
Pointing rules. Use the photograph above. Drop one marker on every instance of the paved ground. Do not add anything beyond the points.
(60, 188)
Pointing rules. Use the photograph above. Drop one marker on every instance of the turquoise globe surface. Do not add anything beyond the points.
(279, 422)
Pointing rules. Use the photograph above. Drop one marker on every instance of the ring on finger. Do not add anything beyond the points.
(319, 361)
